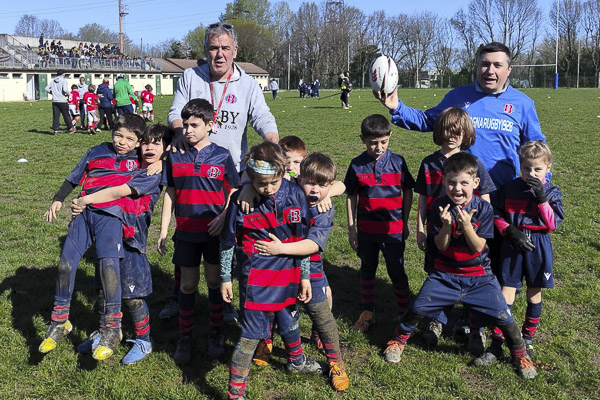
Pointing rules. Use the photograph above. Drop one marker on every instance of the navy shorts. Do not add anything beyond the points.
(136, 277)
(368, 252)
(319, 290)
(189, 254)
(256, 324)
(107, 231)
(481, 294)
(535, 266)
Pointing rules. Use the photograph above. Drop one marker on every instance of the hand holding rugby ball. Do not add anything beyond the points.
(383, 74)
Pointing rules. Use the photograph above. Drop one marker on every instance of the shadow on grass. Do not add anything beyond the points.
(48, 132)
(345, 284)
(165, 333)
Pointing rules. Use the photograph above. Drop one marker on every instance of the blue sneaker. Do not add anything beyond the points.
(140, 350)
(89, 344)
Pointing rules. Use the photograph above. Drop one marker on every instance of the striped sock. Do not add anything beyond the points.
(402, 299)
(60, 312)
(293, 346)
(141, 320)
(367, 291)
(187, 302)
(215, 309)
(532, 319)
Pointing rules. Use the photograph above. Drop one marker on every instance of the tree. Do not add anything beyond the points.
(512, 22)
(568, 24)
(195, 39)
(464, 28)
(257, 11)
(97, 33)
(255, 43)
(32, 26)
(442, 51)
(591, 27)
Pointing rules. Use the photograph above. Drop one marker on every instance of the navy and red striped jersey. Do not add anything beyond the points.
(379, 185)
(268, 283)
(517, 205)
(458, 258)
(101, 167)
(430, 183)
(320, 227)
(135, 211)
(199, 178)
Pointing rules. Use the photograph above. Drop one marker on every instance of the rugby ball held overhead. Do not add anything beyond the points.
(383, 74)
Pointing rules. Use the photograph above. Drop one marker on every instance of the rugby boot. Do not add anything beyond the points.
(525, 367)
(170, 310)
(54, 334)
(140, 350)
(393, 351)
(262, 353)
(338, 377)
(432, 335)
(108, 343)
(90, 344)
(365, 321)
(307, 366)
(183, 350)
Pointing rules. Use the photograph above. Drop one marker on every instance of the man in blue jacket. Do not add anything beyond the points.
(503, 117)
(105, 107)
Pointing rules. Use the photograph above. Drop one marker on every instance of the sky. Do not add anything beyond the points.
(152, 21)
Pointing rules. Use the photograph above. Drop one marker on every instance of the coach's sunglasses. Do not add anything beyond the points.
(220, 24)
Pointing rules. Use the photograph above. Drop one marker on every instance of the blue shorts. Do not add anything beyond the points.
(319, 290)
(105, 229)
(535, 266)
(189, 254)
(481, 294)
(256, 324)
(136, 277)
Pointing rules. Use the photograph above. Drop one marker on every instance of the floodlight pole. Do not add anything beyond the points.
(122, 13)
(556, 52)
(289, 62)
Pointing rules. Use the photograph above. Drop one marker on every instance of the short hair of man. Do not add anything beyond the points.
(155, 132)
(461, 162)
(199, 108)
(375, 126)
(452, 122)
(495, 47)
(293, 144)
(534, 150)
(132, 122)
(92, 88)
(218, 29)
(318, 168)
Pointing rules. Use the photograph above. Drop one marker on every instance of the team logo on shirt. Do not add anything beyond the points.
(131, 288)
(231, 98)
(509, 108)
(213, 172)
(294, 215)
(547, 275)
(131, 165)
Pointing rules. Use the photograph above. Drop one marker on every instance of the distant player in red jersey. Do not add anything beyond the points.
(91, 100)
(74, 104)
(147, 100)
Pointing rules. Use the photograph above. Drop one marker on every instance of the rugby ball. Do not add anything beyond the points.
(383, 74)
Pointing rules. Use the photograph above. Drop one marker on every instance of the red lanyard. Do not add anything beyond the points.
(212, 98)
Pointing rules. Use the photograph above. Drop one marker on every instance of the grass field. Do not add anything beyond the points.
(567, 343)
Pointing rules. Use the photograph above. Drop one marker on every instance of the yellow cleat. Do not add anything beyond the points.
(102, 353)
(54, 334)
